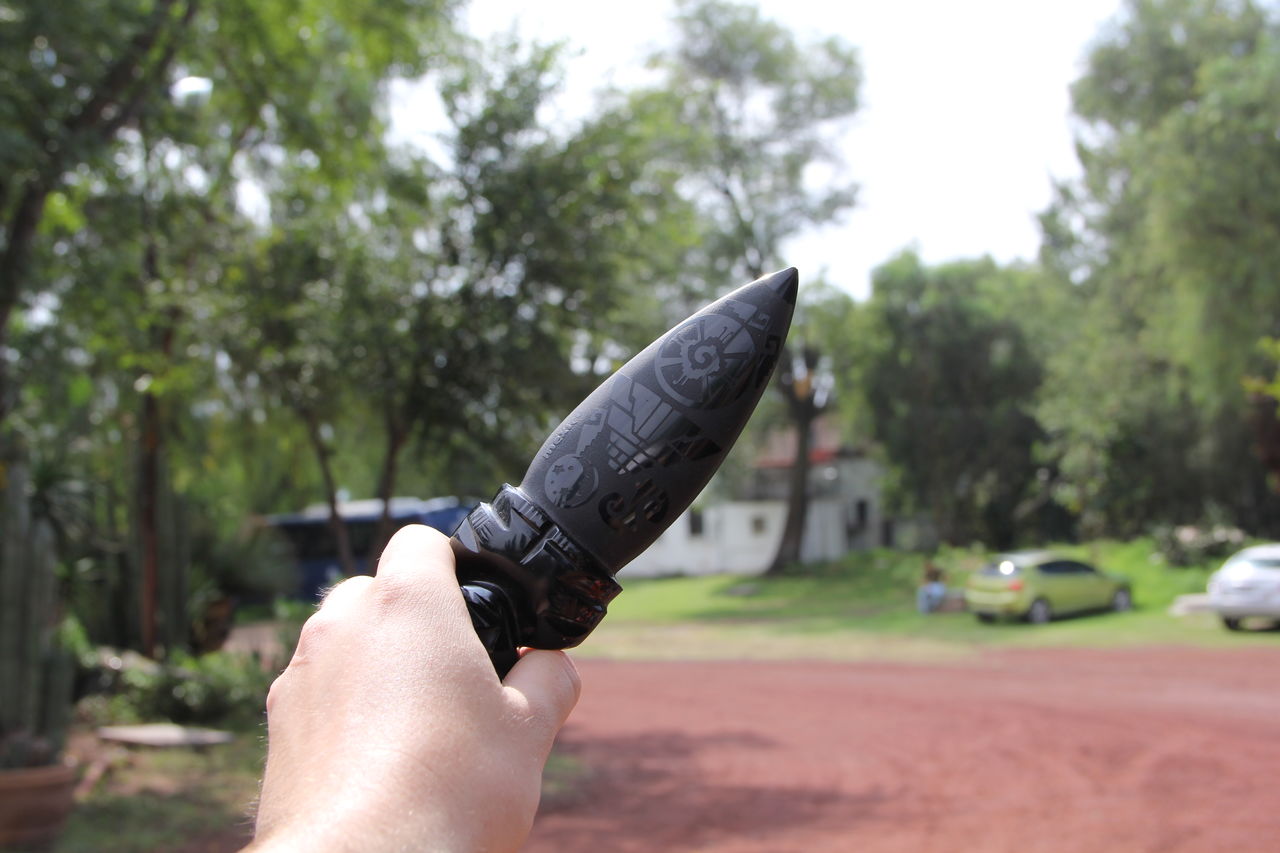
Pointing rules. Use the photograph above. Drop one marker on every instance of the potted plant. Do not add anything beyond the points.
(36, 673)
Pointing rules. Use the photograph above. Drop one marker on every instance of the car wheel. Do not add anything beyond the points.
(1232, 623)
(1121, 601)
(1040, 612)
(986, 618)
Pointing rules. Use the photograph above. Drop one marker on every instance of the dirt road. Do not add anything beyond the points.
(1061, 750)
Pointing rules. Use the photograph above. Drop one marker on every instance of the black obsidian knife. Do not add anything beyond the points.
(537, 564)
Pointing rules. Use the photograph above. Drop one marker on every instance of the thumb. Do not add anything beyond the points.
(549, 683)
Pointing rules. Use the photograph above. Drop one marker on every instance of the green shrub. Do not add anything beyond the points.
(218, 689)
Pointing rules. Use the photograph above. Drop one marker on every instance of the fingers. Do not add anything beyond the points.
(418, 551)
(415, 576)
(550, 685)
(416, 582)
(417, 571)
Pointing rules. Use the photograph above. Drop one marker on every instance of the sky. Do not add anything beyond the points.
(965, 118)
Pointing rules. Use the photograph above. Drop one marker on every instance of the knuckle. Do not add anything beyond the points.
(315, 631)
(395, 590)
(275, 691)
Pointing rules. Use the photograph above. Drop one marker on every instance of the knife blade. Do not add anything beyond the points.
(537, 563)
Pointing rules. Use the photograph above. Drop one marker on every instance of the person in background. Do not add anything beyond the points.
(932, 591)
(389, 729)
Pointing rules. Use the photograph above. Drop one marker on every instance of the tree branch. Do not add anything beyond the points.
(123, 73)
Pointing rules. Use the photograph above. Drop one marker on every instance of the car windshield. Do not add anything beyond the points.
(1005, 568)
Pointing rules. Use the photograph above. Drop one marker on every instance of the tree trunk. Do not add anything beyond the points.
(1264, 418)
(148, 508)
(797, 497)
(396, 436)
(19, 231)
(806, 398)
(150, 472)
(336, 523)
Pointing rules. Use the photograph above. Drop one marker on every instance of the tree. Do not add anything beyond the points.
(73, 78)
(1169, 238)
(460, 301)
(478, 271)
(950, 386)
(760, 113)
(90, 137)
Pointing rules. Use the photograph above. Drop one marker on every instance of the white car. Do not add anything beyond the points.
(1247, 585)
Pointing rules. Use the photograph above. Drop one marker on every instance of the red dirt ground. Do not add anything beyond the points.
(1057, 750)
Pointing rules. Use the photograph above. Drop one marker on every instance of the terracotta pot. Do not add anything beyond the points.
(34, 804)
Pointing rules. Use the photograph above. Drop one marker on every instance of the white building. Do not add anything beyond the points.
(846, 513)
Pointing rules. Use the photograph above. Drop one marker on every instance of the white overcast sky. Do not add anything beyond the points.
(964, 124)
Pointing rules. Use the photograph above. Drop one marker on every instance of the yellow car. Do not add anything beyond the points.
(1039, 585)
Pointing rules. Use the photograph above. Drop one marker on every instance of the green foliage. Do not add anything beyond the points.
(756, 114)
(949, 385)
(1148, 60)
(1214, 222)
(240, 299)
(236, 300)
(1170, 240)
(1267, 386)
(1123, 431)
(122, 222)
(218, 689)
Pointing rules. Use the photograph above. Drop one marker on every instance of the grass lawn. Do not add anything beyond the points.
(863, 607)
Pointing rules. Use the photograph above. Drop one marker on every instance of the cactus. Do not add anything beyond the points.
(36, 674)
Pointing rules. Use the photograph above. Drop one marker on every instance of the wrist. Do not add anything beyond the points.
(354, 827)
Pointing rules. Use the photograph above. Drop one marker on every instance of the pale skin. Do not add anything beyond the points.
(390, 730)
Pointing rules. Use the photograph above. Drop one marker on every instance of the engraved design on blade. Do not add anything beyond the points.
(647, 502)
(570, 482)
(645, 431)
(641, 431)
(707, 361)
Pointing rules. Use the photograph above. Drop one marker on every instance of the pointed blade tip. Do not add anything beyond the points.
(786, 283)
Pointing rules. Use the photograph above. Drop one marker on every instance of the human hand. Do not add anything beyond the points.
(389, 730)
